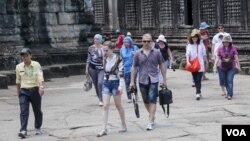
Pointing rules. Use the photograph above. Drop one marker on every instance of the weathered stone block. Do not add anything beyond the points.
(51, 19)
(67, 18)
(59, 71)
(84, 18)
(9, 31)
(245, 71)
(3, 82)
(11, 38)
(56, 6)
(3, 7)
(70, 5)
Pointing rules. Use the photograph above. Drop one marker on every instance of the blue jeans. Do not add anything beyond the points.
(221, 79)
(127, 77)
(110, 87)
(26, 97)
(228, 76)
(149, 92)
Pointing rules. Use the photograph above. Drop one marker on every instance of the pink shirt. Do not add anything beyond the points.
(230, 51)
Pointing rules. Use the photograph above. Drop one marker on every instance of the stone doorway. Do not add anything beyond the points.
(188, 12)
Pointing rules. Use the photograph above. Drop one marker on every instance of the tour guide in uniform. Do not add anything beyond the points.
(30, 88)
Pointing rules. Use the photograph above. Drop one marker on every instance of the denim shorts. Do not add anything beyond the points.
(149, 92)
(110, 87)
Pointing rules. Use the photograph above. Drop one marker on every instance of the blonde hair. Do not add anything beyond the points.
(109, 44)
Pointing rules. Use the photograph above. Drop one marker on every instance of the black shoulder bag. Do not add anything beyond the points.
(165, 98)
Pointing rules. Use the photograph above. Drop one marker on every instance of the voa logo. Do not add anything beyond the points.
(236, 132)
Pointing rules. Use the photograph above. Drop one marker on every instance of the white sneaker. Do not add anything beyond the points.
(22, 134)
(198, 96)
(38, 131)
(100, 104)
(129, 101)
(150, 126)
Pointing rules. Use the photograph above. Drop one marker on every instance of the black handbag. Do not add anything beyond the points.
(165, 98)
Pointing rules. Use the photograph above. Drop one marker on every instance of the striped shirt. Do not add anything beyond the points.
(95, 57)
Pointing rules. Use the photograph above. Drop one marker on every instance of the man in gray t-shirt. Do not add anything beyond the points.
(148, 59)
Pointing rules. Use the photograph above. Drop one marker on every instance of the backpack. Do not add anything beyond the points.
(165, 98)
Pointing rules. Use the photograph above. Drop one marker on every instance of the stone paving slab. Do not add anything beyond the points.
(70, 114)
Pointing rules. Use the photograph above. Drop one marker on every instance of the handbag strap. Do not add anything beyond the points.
(163, 108)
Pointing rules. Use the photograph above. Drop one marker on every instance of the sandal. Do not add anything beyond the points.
(102, 133)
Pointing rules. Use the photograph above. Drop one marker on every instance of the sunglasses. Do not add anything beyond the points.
(145, 41)
(220, 28)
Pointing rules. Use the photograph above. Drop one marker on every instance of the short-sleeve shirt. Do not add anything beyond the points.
(231, 51)
(191, 52)
(148, 65)
(29, 77)
(216, 38)
(127, 57)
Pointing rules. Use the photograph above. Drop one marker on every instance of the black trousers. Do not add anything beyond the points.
(197, 76)
(26, 97)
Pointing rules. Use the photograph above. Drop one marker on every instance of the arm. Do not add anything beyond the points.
(132, 77)
(170, 55)
(18, 81)
(163, 72)
(40, 80)
(187, 56)
(237, 62)
(87, 63)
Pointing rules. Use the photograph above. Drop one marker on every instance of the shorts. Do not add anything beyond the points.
(110, 87)
(149, 92)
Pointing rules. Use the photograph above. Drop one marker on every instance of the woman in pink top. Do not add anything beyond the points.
(229, 63)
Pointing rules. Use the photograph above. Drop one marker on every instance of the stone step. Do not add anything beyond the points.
(53, 71)
(3, 82)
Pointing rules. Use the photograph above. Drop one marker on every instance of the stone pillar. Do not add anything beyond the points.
(113, 15)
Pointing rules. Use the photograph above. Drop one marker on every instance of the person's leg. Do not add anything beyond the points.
(198, 82)
(94, 76)
(127, 83)
(153, 93)
(118, 105)
(222, 81)
(36, 100)
(106, 104)
(144, 92)
(230, 77)
(24, 111)
(99, 83)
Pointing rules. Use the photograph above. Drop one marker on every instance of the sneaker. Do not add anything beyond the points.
(129, 101)
(100, 104)
(198, 96)
(38, 131)
(22, 134)
(229, 97)
(102, 133)
(150, 126)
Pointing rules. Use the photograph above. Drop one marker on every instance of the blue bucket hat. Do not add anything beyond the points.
(204, 25)
(98, 37)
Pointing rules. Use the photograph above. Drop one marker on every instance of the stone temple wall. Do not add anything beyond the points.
(54, 25)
